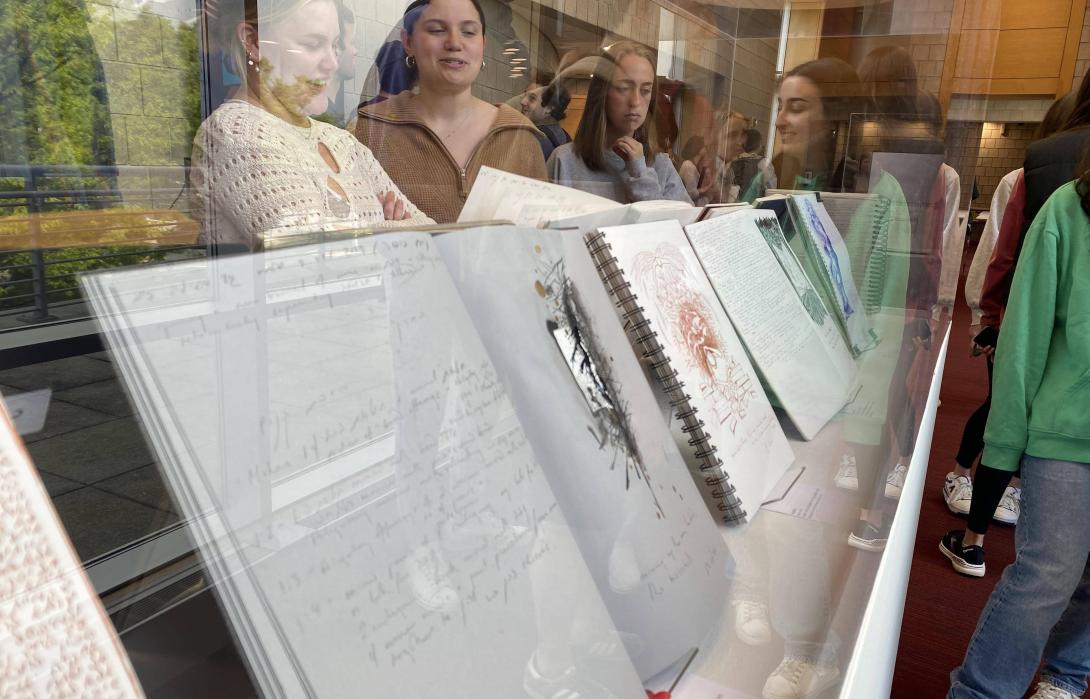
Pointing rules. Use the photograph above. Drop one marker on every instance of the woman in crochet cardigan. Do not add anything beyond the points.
(262, 167)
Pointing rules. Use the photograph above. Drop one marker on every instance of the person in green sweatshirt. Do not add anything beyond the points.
(1040, 418)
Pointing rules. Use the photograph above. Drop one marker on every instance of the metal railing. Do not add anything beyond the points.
(37, 279)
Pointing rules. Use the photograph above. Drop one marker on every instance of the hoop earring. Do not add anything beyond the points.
(482, 64)
(410, 61)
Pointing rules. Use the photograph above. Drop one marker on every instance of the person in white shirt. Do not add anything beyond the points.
(262, 167)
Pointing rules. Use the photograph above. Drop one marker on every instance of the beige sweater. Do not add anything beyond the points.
(257, 177)
(423, 168)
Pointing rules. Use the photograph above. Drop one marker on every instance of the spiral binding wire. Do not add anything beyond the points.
(715, 479)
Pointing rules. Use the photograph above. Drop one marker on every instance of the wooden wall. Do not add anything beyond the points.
(1013, 47)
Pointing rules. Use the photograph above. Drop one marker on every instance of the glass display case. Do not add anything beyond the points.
(302, 453)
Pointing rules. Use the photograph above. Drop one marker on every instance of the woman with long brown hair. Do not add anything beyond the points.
(614, 154)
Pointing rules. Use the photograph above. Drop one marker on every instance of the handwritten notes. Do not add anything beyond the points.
(499, 195)
(356, 472)
(55, 637)
(786, 343)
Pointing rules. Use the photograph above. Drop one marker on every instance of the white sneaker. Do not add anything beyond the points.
(1051, 691)
(751, 622)
(895, 481)
(958, 493)
(1009, 507)
(796, 678)
(847, 477)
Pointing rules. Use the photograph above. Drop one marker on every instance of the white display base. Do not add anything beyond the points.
(794, 555)
(870, 671)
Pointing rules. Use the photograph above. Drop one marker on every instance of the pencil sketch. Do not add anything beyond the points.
(664, 279)
(773, 235)
(828, 252)
(578, 344)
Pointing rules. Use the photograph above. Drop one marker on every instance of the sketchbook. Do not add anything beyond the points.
(55, 637)
(809, 369)
(376, 498)
(677, 324)
(556, 342)
(821, 250)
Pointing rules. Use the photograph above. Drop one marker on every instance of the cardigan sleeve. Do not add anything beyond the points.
(381, 183)
(232, 203)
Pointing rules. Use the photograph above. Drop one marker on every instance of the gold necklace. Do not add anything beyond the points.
(461, 122)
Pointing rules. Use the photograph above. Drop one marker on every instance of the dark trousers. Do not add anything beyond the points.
(989, 484)
(972, 437)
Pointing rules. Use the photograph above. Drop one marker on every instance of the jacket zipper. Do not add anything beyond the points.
(450, 158)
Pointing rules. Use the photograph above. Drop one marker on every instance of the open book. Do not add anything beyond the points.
(503, 196)
(552, 333)
(637, 212)
(676, 321)
(378, 492)
(55, 637)
(821, 249)
(809, 368)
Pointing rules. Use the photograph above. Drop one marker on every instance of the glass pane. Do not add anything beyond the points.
(220, 172)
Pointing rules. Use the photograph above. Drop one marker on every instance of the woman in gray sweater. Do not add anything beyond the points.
(613, 154)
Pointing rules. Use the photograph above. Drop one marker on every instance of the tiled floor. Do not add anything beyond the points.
(107, 488)
(92, 455)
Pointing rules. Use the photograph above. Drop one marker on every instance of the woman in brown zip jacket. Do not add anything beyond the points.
(432, 142)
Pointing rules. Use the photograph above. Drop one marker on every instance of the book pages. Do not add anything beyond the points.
(593, 422)
(358, 482)
(683, 309)
(829, 333)
(663, 210)
(637, 212)
(55, 637)
(784, 337)
(524, 201)
(826, 247)
(716, 210)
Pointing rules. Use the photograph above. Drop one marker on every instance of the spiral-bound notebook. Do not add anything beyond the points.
(721, 415)
(592, 419)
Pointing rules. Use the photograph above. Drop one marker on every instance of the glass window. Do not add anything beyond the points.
(186, 154)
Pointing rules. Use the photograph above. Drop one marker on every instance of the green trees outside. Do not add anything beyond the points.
(55, 110)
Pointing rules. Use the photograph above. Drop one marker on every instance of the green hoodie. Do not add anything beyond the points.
(1041, 387)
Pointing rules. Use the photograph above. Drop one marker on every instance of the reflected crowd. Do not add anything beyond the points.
(402, 359)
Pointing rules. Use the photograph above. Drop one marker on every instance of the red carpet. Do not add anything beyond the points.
(942, 606)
